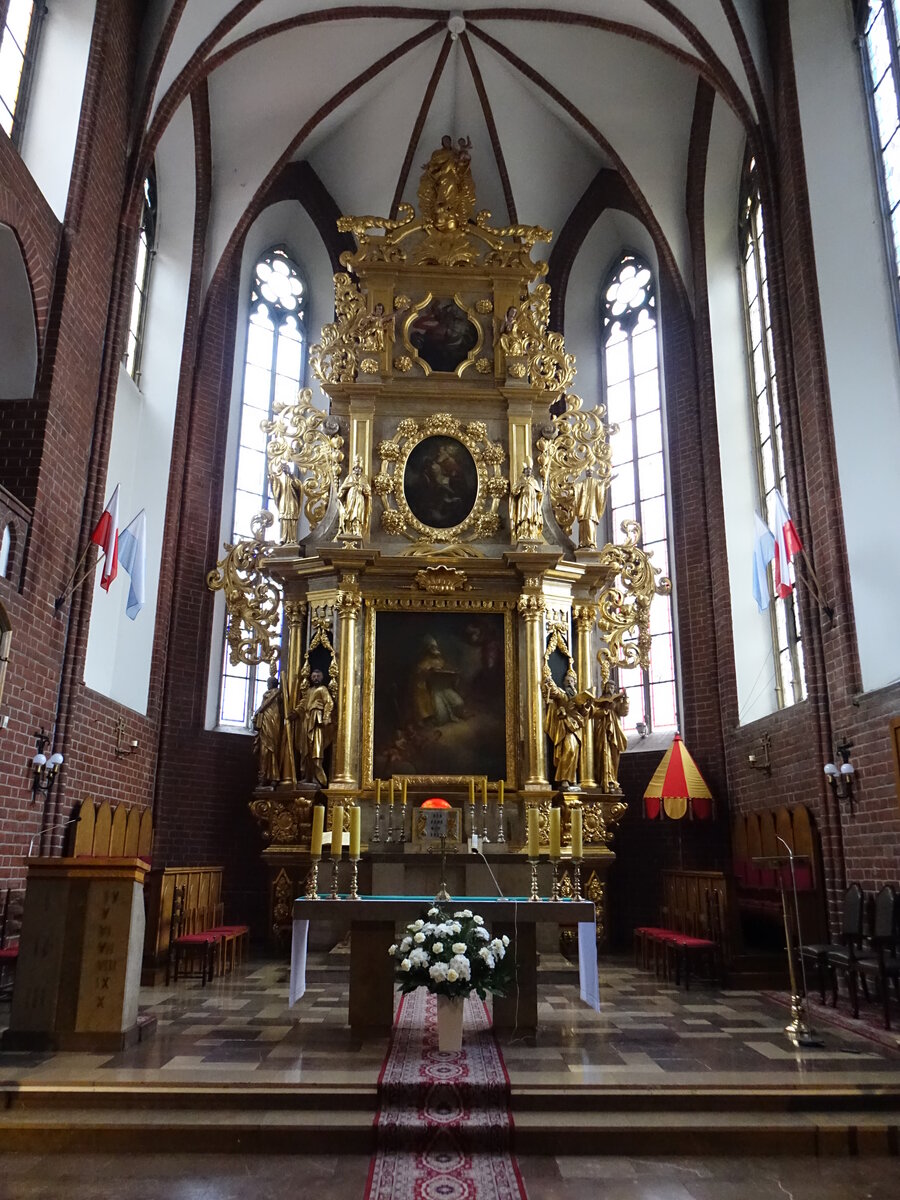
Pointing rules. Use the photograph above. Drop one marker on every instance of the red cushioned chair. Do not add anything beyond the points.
(10, 927)
(192, 951)
(234, 938)
(687, 951)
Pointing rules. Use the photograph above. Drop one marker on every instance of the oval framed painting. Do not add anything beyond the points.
(440, 481)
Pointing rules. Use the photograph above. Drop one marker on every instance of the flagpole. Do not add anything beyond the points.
(816, 589)
(72, 583)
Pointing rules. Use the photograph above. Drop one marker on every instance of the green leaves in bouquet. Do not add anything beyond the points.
(452, 953)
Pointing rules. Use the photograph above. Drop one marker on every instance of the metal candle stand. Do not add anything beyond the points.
(354, 880)
(312, 880)
(402, 837)
(335, 865)
(554, 889)
(484, 828)
(390, 829)
(501, 833)
(535, 894)
(376, 828)
(576, 878)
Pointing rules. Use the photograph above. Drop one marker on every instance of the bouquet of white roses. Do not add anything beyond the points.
(452, 955)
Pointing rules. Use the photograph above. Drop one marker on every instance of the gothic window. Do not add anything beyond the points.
(273, 370)
(146, 248)
(880, 46)
(20, 22)
(790, 684)
(639, 487)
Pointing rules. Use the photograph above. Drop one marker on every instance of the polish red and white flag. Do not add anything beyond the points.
(787, 544)
(106, 536)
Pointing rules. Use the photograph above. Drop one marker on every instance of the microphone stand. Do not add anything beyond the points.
(798, 1030)
(49, 829)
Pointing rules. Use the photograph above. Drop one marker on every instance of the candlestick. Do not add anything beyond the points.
(576, 879)
(577, 833)
(335, 866)
(337, 831)
(354, 885)
(390, 828)
(354, 831)
(535, 894)
(403, 811)
(501, 832)
(318, 825)
(555, 840)
(534, 837)
(312, 880)
(554, 888)
(484, 828)
(376, 828)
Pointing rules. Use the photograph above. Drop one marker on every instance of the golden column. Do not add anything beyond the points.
(584, 616)
(531, 610)
(292, 662)
(346, 751)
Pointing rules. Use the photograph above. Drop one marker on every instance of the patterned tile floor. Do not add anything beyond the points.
(240, 1029)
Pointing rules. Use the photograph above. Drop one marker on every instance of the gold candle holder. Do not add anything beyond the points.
(554, 887)
(501, 832)
(535, 894)
(335, 864)
(312, 880)
(354, 882)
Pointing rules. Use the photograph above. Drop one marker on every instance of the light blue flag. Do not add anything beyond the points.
(763, 553)
(132, 558)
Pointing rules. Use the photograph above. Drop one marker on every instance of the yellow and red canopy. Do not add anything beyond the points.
(677, 787)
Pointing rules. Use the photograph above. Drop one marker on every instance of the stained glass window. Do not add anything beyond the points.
(273, 370)
(789, 678)
(639, 485)
(880, 46)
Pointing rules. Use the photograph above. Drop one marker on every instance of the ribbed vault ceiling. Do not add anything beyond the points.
(364, 93)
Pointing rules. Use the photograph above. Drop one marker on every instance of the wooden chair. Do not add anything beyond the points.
(852, 920)
(703, 947)
(189, 945)
(10, 928)
(234, 937)
(881, 962)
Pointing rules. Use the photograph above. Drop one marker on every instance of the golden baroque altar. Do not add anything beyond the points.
(436, 611)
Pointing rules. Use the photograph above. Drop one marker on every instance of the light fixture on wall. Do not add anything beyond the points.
(123, 747)
(45, 769)
(841, 777)
(641, 728)
(759, 760)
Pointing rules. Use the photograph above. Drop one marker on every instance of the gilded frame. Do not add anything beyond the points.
(470, 311)
(483, 518)
(438, 604)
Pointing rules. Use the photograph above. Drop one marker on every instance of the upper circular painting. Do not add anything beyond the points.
(440, 482)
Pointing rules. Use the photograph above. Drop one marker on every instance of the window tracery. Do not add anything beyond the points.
(639, 485)
(20, 22)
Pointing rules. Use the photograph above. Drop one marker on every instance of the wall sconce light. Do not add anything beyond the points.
(841, 778)
(45, 769)
(123, 748)
(758, 760)
(641, 728)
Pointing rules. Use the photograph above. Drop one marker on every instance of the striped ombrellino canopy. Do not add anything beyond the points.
(677, 787)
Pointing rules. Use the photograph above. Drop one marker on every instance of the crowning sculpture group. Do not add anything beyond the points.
(487, 503)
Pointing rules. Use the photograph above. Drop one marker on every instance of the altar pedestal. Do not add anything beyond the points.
(79, 965)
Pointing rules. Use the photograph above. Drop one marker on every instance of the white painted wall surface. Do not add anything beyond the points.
(857, 317)
(751, 629)
(54, 109)
(119, 650)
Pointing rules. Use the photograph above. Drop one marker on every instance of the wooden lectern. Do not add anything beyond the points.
(79, 966)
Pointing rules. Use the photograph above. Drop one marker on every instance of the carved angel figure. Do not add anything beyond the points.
(564, 722)
(355, 498)
(525, 501)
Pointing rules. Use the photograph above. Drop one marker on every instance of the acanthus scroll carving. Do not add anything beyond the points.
(305, 451)
(252, 600)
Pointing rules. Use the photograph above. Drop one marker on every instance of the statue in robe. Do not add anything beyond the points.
(287, 492)
(269, 743)
(314, 718)
(610, 738)
(525, 502)
(590, 501)
(355, 497)
(567, 712)
(446, 191)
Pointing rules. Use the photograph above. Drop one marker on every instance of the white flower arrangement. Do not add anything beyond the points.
(453, 955)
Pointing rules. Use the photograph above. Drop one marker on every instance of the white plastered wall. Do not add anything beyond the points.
(751, 629)
(284, 224)
(857, 318)
(119, 650)
(54, 107)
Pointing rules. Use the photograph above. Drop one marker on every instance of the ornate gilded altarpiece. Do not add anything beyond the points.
(441, 576)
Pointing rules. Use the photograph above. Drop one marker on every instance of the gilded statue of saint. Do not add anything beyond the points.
(590, 501)
(446, 191)
(564, 722)
(609, 709)
(355, 498)
(269, 744)
(510, 341)
(315, 718)
(525, 502)
(287, 492)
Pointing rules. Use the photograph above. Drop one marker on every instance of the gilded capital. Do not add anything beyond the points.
(532, 608)
(584, 615)
(349, 603)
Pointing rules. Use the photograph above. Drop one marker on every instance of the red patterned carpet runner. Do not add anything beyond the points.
(443, 1127)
